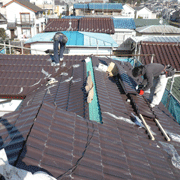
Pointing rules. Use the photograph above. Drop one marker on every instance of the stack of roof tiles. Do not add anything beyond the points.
(52, 132)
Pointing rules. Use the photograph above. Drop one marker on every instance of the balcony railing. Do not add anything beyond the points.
(25, 22)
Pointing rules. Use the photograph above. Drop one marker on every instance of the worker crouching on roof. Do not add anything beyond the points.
(59, 38)
(154, 79)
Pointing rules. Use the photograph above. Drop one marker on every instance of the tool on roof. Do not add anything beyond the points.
(158, 123)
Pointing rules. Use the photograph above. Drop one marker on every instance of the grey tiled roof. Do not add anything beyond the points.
(27, 4)
(52, 132)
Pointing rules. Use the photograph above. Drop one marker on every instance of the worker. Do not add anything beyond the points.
(59, 38)
(154, 78)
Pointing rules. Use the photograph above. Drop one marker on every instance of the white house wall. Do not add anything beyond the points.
(128, 12)
(13, 11)
(145, 14)
(121, 35)
(39, 48)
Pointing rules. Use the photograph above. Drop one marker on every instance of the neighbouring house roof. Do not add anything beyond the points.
(148, 22)
(77, 38)
(109, 6)
(61, 25)
(124, 23)
(80, 6)
(88, 24)
(160, 29)
(97, 6)
(71, 17)
(165, 53)
(98, 25)
(51, 131)
(175, 39)
(27, 4)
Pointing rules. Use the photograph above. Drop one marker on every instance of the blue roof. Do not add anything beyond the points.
(105, 6)
(80, 6)
(72, 17)
(124, 23)
(109, 6)
(77, 38)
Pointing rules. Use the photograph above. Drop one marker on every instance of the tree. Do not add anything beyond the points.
(3, 34)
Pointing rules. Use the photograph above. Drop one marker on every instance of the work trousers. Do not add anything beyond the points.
(61, 51)
(157, 90)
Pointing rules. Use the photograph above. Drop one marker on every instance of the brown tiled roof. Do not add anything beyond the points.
(165, 53)
(61, 25)
(20, 74)
(68, 145)
(98, 25)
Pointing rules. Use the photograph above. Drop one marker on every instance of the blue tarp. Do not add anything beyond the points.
(109, 6)
(2, 51)
(172, 105)
(124, 23)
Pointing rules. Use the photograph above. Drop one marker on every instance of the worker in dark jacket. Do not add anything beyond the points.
(154, 78)
(59, 38)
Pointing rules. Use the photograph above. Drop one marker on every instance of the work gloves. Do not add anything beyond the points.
(141, 92)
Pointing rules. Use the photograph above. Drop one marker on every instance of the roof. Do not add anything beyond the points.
(124, 23)
(27, 4)
(51, 131)
(98, 25)
(88, 24)
(25, 81)
(96, 6)
(77, 38)
(165, 53)
(80, 6)
(175, 39)
(161, 29)
(109, 6)
(71, 17)
(61, 25)
(145, 22)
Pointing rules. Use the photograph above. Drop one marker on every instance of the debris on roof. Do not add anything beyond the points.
(51, 131)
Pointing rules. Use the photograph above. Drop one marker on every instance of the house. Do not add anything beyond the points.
(24, 19)
(3, 22)
(158, 30)
(128, 11)
(60, 8)
(124, 28)
(56, 131)
(79, 42)
(98, 9)
(144, 13)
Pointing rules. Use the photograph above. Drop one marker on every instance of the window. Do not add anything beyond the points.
(26, 32)
(25, 17)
